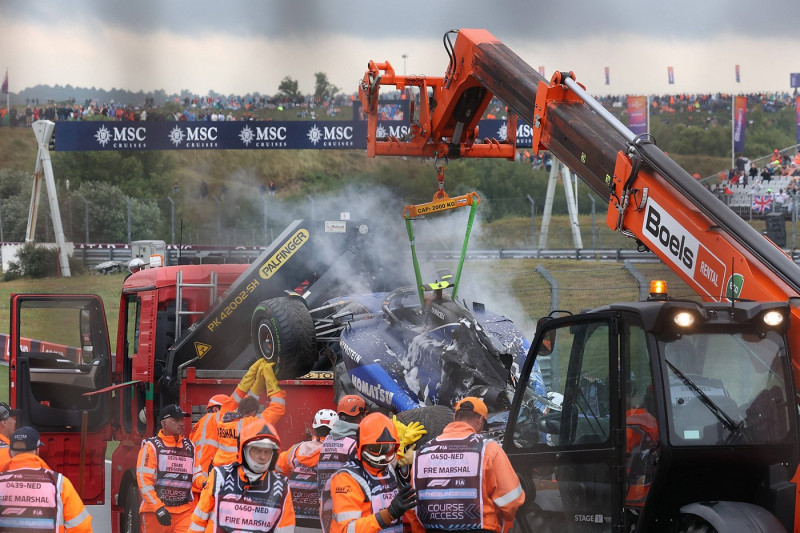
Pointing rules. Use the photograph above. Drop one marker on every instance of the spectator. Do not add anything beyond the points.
(203, 189)
(272, 188)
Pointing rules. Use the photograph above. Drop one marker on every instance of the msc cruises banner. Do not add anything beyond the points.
(243, 135)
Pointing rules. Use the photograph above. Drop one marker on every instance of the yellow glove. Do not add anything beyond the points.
(250, 376)
(414, 430)
(401, 429)
(405, 456)
(270, 379)
(259, 385)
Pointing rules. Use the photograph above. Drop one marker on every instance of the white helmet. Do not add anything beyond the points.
(135, 265)
(325, 417)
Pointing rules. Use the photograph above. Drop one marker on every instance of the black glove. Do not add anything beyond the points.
(406, 499)
(164, 518)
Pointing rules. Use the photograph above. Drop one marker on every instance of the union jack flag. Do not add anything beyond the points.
(762, 204)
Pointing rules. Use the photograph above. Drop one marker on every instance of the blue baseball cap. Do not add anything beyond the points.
(25, 439)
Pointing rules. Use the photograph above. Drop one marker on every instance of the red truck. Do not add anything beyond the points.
(185, 333)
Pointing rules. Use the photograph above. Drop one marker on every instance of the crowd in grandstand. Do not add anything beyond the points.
(769, 188)
(244, 108)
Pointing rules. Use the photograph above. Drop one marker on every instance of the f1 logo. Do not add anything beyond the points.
(439, 483)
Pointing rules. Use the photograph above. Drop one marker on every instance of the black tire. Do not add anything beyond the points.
(434, 418)
(282, 332)
(129, 519)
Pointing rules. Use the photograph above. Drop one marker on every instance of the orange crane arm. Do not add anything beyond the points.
(650, 198)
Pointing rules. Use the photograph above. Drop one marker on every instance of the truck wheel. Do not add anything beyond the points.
(434, 418)
(283, 332)
(130, 512)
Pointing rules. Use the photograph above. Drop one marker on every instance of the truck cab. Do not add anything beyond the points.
(675, 415)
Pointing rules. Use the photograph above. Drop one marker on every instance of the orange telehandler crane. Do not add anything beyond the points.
(663, 424)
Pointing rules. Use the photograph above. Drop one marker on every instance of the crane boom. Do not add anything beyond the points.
(651, 198)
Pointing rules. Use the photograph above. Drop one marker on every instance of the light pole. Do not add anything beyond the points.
(404, 56)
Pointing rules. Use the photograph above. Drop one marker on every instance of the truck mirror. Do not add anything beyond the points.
(86, 335)
(549, 338)
(548, 343)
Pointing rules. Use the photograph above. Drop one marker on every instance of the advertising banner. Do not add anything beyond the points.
(244, 135)
(637, 114)
(739, 123)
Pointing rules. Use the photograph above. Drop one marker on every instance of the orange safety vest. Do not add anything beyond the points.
(36, 499)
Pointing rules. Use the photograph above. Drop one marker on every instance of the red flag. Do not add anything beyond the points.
(5, 83)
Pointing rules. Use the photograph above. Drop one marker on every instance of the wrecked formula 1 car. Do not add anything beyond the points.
(402, 355)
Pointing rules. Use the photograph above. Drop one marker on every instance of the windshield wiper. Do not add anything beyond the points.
(721, 415)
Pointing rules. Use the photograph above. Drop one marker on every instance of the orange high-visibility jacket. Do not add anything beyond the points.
(228, 432)
(147, 473)
(360, 503)
(502, 492)
(71, 516)
(204, 438)
(206, 514)
(5, 456)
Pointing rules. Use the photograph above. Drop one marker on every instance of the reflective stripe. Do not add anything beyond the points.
(277, 400)
(236, 395)
(508, 498)
(201, 514)
(148, 491)
(146, 470)
(233, 449)
(351, 526)
(196, 527)
(59, 501)
(284, 529)
(349, 515)
(74, 522)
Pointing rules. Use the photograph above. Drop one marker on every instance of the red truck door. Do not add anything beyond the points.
(59, 356)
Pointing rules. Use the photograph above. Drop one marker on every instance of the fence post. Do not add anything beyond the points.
(172, 218)
(553, 357)
(641, 282)
(533, 218)
(594, 244)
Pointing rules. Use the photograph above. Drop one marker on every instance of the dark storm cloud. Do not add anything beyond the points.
(512, 19)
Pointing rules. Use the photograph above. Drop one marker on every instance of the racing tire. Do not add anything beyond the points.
(434, 418)
(282, 332)
(130, 512)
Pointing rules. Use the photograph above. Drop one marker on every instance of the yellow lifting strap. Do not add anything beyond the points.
(441, 202)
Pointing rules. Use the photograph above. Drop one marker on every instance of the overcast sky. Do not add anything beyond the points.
(241, 46)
